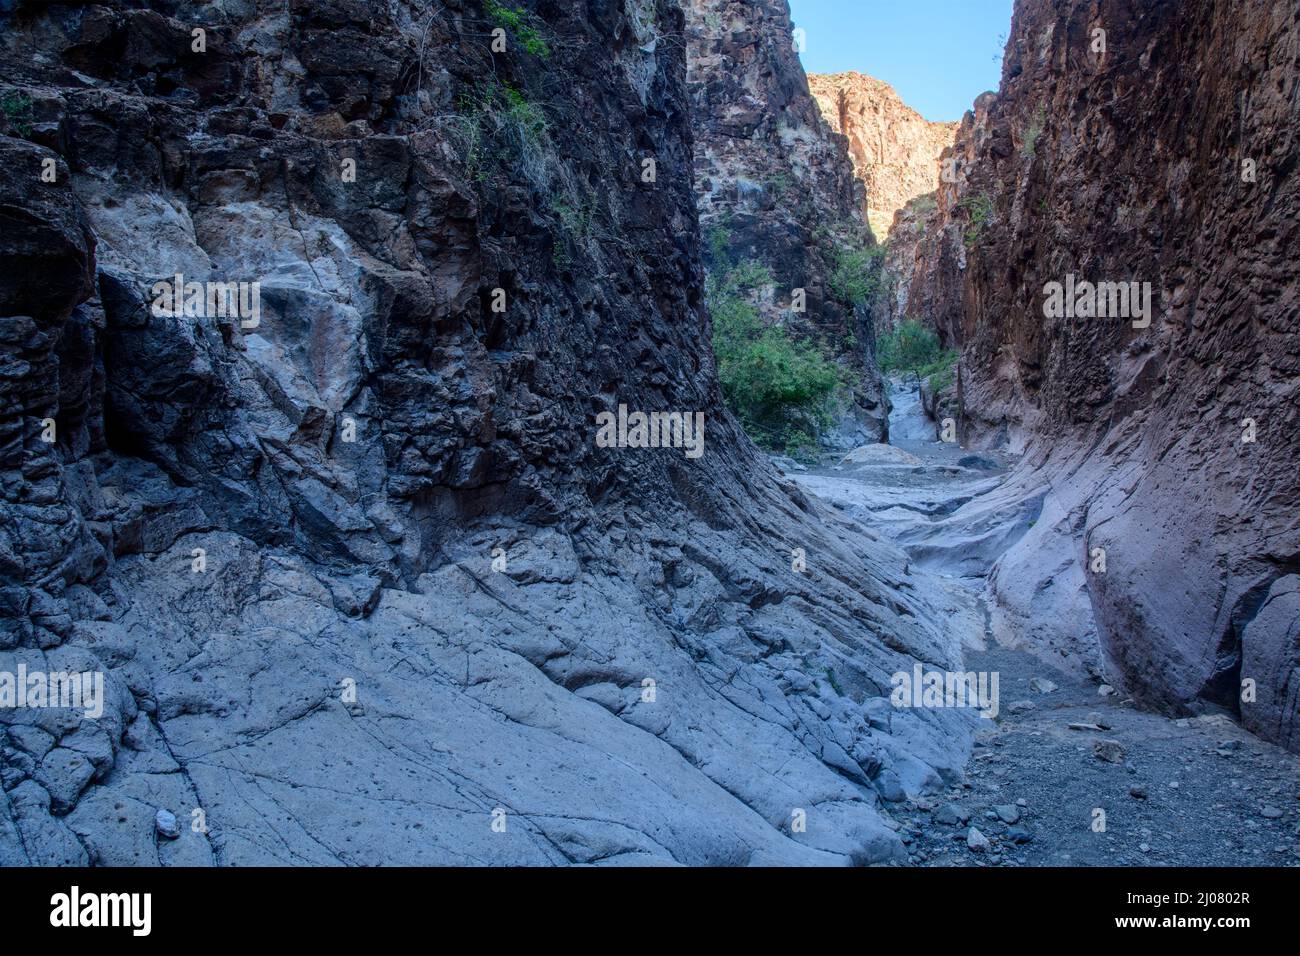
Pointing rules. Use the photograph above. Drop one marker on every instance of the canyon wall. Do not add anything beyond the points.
(1148, 143)
(925, 257)
(778, 186)
(895, 150)
(362, 580)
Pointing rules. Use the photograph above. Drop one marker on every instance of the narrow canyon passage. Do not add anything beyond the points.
(316, 317)
(1067, 772)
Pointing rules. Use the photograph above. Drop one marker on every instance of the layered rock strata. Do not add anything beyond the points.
(1139, 150)
(895, 150)
(361, 582)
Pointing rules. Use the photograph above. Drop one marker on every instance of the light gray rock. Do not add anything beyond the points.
(879, 454)
(1111, 751)
(951, 814)
(166, 825)
(1270, 645)
(64, 774)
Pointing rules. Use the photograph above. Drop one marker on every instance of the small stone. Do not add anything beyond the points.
(1022, 802)
(1020, 706)
(165, 822)
(1041, 685)
(977, 842)
(1100, 720)
(1111, 751)
(1105, 690)
(1270, 813)
(1138, 793)
(1144, 847)
(1092, 728)
(951, 814)
(1019, 835)
(889, 787)
(1007, 813)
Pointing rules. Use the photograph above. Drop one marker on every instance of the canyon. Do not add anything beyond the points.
(366, 586)
(313, 646)
(775, 187)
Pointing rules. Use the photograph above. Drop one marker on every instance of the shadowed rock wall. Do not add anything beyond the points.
(1163, 151)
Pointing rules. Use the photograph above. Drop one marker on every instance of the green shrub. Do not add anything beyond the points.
(912, 347)
(494, 118)
(980, 211)
(777, 386)
(719, 244)
(1036, 126)
(940, 373)
(515, 21)
(906, 348)
(747, 276)
(575, 222)
(855, 274)
(17, 108)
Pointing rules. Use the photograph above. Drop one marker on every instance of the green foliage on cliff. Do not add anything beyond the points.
(494, 119)
(777, 386)
(1036, 126)
(912, 347)
(574, 221)
(855, 273)
(17, 108)
(515, 21)
(980, 211)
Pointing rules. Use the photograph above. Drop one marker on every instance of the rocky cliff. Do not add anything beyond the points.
(776, 186)
(312, 312)
(895, 150)
(1140, 154)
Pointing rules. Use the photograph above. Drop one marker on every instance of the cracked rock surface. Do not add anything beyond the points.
(279, 541)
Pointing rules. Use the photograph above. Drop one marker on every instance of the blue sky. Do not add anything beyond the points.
(938, 54)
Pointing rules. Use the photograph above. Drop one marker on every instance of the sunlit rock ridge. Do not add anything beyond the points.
(895, 151)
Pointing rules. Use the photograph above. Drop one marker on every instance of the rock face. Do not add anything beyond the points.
(776, 183)
(926, 258)
(895, 150)
(362, 584)
(1164, 152)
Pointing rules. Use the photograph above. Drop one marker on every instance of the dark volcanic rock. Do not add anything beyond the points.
(362, 584)
(775, 180)
(1169, 450)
